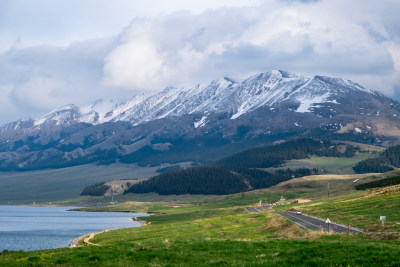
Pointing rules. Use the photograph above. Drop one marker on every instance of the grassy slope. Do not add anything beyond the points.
(59, 184)
(330, 165)
(335, 165)
(361, 209)
(218, 231)
(228, 236)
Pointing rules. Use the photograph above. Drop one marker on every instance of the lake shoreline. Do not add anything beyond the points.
(85, 238)
(22, 224)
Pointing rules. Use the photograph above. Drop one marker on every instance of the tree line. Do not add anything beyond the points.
(388, 160)
(276, 155)
(98, 189)
(380, 183)
(241, 172)
(195, 180)
(214, 181)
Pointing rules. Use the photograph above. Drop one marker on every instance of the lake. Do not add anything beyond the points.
(35, 228)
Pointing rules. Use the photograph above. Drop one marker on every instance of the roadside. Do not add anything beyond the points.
(310, 222)
(317, 224)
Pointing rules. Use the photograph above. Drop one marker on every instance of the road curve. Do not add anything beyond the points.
(257, 209)
(316, 224)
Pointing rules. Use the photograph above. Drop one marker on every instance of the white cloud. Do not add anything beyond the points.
(357, 40)
(307, 38)
(36, 93)
(135, 64)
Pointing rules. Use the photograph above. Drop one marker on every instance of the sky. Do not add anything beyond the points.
(57, 52)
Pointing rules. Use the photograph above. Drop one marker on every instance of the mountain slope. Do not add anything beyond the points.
(204, 122)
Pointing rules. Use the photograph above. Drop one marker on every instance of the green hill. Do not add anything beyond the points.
(275, 155)
(242, 172)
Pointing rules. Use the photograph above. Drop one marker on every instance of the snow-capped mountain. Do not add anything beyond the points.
(220, 96)
(221, 113)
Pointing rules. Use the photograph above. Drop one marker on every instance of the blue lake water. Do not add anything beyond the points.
(35, 228)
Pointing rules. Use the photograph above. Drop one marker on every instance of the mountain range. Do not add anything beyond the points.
(202, 123)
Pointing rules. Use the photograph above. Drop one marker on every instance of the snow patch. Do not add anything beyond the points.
(358, 130)
(306, 103)
(201, 122)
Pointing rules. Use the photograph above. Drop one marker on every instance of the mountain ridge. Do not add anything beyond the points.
(203, 122)
(226, 96)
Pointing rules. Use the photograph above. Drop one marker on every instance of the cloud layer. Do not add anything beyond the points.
(357, 40)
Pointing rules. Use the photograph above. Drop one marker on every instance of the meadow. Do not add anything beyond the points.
(218, 231)
(54, 185)
(327, 165)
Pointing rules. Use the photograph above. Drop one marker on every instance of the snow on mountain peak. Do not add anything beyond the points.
(223, 95)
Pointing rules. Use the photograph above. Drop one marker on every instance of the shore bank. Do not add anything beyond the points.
(86, 238)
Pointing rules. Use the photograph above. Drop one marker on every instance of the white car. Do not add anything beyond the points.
(298, 212)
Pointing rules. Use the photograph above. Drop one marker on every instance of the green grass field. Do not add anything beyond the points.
(329, 165)
(216, 237)
(218, 231)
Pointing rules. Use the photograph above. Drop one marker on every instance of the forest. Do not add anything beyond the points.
(195, 180)
(380, 183)
(388, 160)
(276, 155)
(98, 189)
(242, 171)
(214, 181)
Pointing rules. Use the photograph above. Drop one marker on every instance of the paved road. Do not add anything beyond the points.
(315, 224)
(257, 209)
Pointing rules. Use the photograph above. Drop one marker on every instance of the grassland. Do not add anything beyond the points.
(60, 184)
(217, 231)
(327, 165)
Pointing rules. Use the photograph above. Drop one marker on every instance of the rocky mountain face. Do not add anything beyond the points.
(201, 123)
